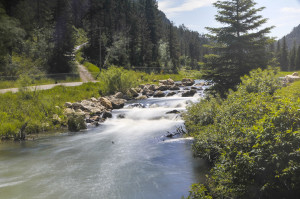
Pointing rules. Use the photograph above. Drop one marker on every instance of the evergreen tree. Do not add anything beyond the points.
(173, 49)
(292, 57)
(239, 47)
(284, 62)
(297, 62)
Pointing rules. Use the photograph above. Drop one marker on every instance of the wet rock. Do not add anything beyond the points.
(106, 103)
(173, 112)
(152, 87)
(142, 97)
(187, 82)
(136, 105)
(163, 88)
(159, 94)
(106, 115)
(189, 93)
(117, 103)
(95, 118)
(174, 88)
(171, 94)
(121, 116)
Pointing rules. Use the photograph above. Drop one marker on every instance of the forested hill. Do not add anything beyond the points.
(293, 38)
(38, 36)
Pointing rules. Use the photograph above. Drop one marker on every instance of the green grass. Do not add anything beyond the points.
(43, 81)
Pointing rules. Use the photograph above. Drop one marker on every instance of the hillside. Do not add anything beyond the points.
(293, 37)
(39, 37)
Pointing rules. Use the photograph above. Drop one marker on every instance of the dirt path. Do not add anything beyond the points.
(85, 75)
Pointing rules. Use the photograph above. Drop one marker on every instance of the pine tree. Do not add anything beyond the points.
(292, 58)
(173, 49)
(239, 46)
(284, 62)
(298, 59)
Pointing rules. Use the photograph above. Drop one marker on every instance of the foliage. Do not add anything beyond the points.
(198, 191)
(38, 107)
(251, 139)
(117, 79)
(76, 123)
(238, 46)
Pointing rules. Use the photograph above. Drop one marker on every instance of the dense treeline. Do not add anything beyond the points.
(287, 55)
(38, 36)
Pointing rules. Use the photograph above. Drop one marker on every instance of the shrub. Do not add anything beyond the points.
(117, 79)
(76, 123)
(252, 139)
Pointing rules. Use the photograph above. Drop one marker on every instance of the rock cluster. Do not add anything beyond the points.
(94, 111)
(291, 78)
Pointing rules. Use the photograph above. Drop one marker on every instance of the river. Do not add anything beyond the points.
(124, 158)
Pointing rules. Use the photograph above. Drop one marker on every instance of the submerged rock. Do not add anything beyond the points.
(173, 112)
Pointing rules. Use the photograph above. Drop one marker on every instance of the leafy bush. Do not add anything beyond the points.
(251, 139)
(76, 123)
(117, 79)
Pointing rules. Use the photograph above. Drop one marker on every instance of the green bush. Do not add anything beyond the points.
(76, 123)
(117, 79)
(251, 139)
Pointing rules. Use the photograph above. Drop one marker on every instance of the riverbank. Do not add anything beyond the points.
(251, 139)
(36, 112)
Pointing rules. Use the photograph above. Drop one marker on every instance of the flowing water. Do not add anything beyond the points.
(124, 158)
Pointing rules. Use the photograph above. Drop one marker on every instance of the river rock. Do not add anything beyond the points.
(132, 92)
(159, 94)
(68, 104)
(117, 103)
(106, 103)
(121, 116)
(142, 97)
(119, 95)
(187, 82)
(106, 115)
(163, 87)
(166, 82)
(295, 74)
(171, 94)
(77, 105)
(93, 99)
(152, 87)
(56, 119)
(173, 112)
(174, 88)
(69, 111)
(189, 93)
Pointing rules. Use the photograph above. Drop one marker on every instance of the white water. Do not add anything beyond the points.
(123, 158)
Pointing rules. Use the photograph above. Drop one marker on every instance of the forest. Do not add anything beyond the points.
(39, 36)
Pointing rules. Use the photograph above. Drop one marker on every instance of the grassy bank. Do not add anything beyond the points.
(251, 140)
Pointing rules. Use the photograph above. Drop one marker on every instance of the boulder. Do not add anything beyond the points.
(77, 105)
(56, 119)
(117, 103)
(187, 82)
(121, 116)
(163, 88)
(295, 74)
(79, 112)
(166, 82)
(152, 87)
(142, 97)
(174, 88)
(173, 112)
(189, 93)
(69, 111)
(94, 99)
(106, 103)
(119, 95)
(171, 94)
(106, 115)
(68, 104)
(291, 78)
(159, 94)
(132, 92)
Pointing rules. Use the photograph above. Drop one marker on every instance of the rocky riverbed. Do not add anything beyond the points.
(95, 111)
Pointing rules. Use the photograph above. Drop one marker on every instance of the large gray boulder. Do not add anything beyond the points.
(106, 103)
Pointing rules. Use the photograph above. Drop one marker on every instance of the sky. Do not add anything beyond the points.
(198, 14)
